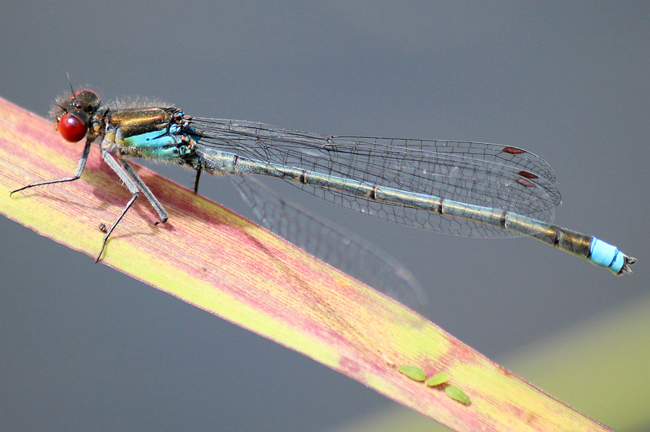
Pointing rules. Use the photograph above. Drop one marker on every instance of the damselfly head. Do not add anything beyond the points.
(73, 116)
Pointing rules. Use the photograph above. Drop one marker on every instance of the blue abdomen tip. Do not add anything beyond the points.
(606, 255)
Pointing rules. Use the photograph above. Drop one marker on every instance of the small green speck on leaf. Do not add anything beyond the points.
(437, 379)
(457, 394)
(413, 372)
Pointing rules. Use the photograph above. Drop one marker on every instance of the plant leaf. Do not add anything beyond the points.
(214, 259)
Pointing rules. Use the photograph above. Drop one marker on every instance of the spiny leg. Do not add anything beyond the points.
(130, 185)
(119, 218)
(135, 185)
(80, 169)
(196, 180)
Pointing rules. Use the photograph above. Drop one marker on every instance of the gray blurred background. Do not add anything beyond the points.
(84, 347)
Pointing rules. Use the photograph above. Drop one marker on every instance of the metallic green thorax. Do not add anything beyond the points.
(158, 133)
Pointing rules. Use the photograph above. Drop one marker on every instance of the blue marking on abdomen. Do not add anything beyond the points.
(606, 255)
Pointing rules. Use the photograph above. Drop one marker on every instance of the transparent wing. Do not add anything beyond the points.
(343, 250)
(489, 175)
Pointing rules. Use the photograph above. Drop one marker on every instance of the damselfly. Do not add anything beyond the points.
(455, 187)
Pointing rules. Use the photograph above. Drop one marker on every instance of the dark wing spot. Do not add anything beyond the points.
(527, 175)
(525, 182)
(513, 150)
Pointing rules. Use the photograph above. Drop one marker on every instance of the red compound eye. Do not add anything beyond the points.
(72, 128)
